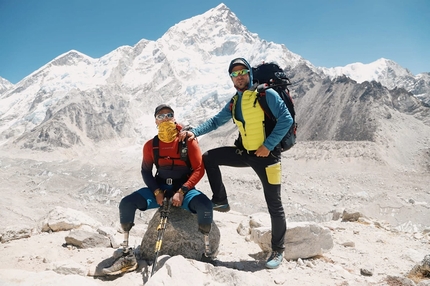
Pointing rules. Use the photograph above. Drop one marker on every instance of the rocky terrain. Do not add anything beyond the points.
(320, 181)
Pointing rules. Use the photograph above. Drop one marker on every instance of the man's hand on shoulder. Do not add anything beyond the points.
(186, 134)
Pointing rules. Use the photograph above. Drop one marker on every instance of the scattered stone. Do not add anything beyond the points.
(16, 232)
(367, 271)
(243, 228)
(400, 281)
(336, 215)
(420, 271)
(350, 216)
(349, 244)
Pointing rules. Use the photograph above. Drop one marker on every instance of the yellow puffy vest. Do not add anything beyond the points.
(252, 129)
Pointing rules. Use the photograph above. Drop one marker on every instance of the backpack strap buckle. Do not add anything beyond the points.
(169, 181)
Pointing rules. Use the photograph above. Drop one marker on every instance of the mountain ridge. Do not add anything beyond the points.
(78, 101)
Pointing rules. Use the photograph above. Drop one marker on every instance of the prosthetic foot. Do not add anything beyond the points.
(125, 262)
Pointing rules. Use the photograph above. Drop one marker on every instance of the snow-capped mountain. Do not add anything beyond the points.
(5, 85)
(386, 72)
(76, 100)
(185, 67)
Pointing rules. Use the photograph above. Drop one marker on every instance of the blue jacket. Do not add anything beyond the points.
(276, 105)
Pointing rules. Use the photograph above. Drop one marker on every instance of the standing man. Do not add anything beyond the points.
(257, 147)
(175, 178)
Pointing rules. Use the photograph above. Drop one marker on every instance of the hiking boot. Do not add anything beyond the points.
(121, 265)
(221, 207)
(274, 260)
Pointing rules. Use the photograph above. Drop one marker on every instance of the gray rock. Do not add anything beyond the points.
(400, 281)
(59, 219)
(15, 232)
(302, 240)
(420, 271)
(367, 271)
(85, 239)
(181, 236)
(349, 215)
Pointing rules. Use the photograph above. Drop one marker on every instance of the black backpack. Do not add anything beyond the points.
(270, 75)
(183, 151)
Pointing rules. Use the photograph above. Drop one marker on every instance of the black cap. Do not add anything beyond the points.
(235, 62)
(162, 106)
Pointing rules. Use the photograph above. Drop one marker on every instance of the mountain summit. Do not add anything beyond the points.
(76, 101)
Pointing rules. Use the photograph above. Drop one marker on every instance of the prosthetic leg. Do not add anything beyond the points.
(126, 227)
(207, 255)
(207, 246)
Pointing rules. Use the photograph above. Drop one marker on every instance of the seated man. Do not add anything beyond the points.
(175, 178)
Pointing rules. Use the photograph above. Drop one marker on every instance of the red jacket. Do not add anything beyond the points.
(170, 164)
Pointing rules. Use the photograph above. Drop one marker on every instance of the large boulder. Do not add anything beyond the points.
(302, 239)
(181, 236)
(60, 219)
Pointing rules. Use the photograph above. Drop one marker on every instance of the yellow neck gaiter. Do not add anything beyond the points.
(167, 131)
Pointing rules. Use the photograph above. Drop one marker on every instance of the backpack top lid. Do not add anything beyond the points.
(271, 74)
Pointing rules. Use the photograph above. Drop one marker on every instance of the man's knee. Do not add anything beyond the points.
(127, 209)
(127, 226)
(201, 204)
(205, 228)
(206, 158)
(133, 201)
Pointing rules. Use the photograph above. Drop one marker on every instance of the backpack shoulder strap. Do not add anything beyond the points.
(183, 152)
(156, 150)
(261, 97)
(233, 102)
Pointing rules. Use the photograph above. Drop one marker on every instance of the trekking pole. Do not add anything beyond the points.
(164, 215)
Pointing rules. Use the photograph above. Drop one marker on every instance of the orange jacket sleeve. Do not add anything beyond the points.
(196, 160)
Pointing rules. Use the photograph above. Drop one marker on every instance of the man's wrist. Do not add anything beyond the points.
(183, 190)
(157, 191)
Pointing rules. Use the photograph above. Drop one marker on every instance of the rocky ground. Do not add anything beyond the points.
(320, 180)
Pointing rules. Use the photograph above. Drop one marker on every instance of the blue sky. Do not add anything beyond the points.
(325, 32)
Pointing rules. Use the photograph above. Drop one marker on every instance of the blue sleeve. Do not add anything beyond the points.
(284, 119)
(211, 124)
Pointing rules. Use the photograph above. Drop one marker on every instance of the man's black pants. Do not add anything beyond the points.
(234, 157)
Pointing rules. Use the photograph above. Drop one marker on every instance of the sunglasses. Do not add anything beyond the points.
(238, 73)
(165, 115)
